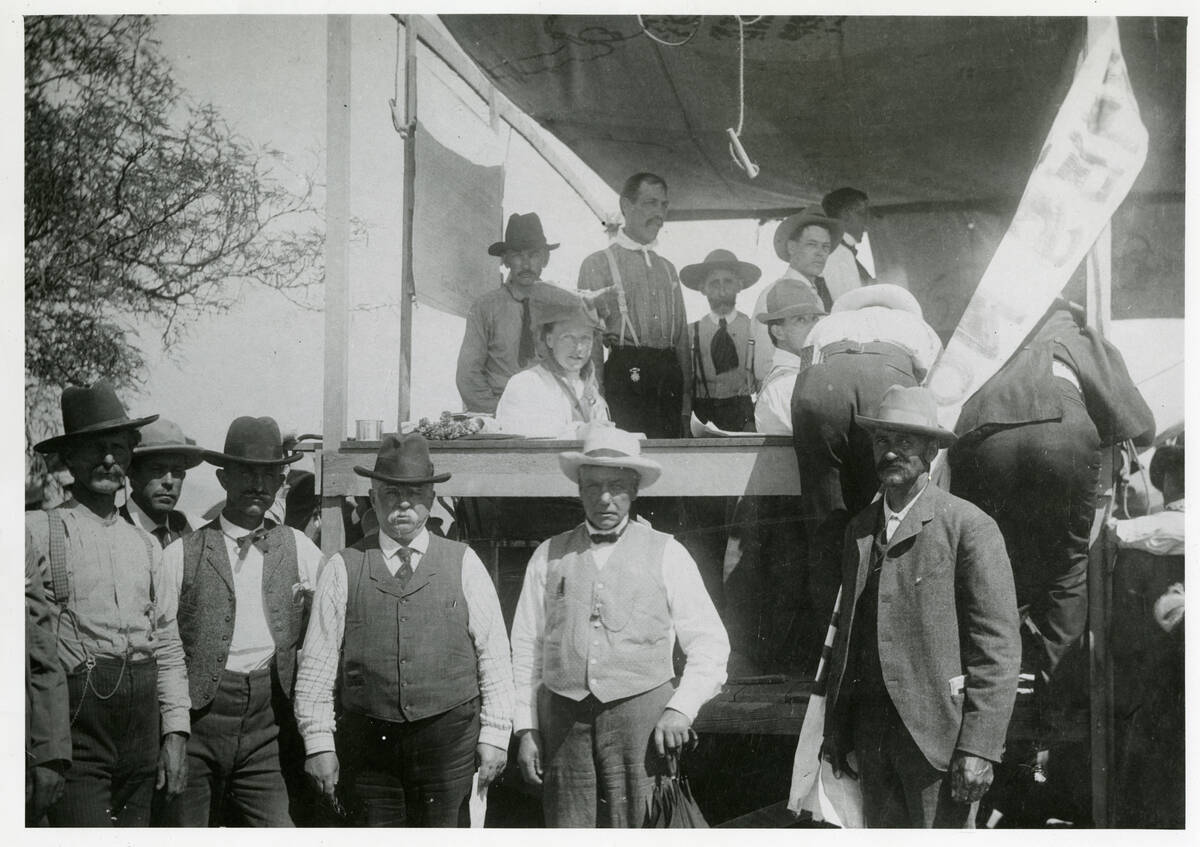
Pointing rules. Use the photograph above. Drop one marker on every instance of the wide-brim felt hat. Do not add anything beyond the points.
(403, 460)
(794, 223)
(912, 409)
(878, 294)
(693, 276)
(789, 297)
(523, 232)
(91, 411)
(164, 436)
(609, 447)
(549, 304)
(253, 441)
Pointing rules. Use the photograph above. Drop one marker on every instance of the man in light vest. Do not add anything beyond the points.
(598, 706)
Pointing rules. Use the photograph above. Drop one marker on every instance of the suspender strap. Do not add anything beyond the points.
(697, 358)
(622, 305)
(59, 573)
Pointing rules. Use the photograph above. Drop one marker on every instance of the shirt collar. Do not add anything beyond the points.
(618, 529)
(786, 358)
(623, 240)
(792, 273)
(234, 531)
(849, 239)
(511, 289)
(389, 546)
(716, 319)
(903, 513)
(78, 507)
(140, 518)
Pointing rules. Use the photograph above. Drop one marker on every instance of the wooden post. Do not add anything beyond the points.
(407, 284)
(337, 230)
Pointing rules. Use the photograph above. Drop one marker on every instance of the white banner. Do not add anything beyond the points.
(1094, 152)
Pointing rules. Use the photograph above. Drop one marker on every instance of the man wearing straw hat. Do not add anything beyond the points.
(600, 611)
(407, 631)
(160, 462)
(243, 584)
(722, 347)
(117, 638)
(924, 671)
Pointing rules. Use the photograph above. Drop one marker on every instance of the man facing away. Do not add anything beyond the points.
(161, 460)
(924, 671)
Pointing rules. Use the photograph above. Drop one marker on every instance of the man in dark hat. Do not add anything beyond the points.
(648, 375)
(722, 347)
(160, 462)
(407, 634)
(499, 338)
(849, 265)
(116, 633)
(925, 666)
(243, 586)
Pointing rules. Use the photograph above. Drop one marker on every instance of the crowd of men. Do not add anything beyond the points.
(227, 674)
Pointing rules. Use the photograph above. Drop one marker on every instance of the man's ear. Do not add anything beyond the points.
(222, 478)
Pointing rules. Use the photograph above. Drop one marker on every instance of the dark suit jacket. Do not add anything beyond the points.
(47, 725)
(1024, 390)
(947, 608)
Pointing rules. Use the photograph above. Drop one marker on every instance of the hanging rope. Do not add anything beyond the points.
(663, 41)
(736, 151)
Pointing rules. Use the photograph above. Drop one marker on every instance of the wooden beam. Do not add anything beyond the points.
(337, 231)
(408, 288)
(1099, 282)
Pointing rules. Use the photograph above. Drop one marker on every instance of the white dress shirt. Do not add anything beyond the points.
(879, 323)
(252, 646)
(535, 404)
(891, 519)
(841, 268)
(694, 622)
(773, 409)
(1161, 534)
(317, 675)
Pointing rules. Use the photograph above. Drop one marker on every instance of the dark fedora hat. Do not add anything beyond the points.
(908, 410)
(790, 226)
(91, 411)
(404, 460)
(693, 276)
(164, 436)
(252, 441)
(524, 232)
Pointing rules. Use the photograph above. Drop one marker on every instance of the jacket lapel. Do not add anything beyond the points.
(920, 514)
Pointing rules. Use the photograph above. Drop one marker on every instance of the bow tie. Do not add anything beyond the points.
(258, 538)
(604, 537)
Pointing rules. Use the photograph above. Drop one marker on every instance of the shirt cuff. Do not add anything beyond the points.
(318, 742)
(525, 718)
(495, 736)
(176, 720)
(686, 703)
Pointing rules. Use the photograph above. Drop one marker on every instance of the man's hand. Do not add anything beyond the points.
(529, 757)
(490, 762)
(322, 769)
(172, 765)
(671, 732)
(43, 788)
(834, 752)
(970, 777)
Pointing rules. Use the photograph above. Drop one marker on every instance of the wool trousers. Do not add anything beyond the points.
(644, 390)
(598, 758)
(114, 745)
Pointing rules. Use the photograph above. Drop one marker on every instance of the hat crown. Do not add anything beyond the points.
(524, 232)
(254, 439)
(88, 408)
(790, 294)
(551, 304)
(163, 433)
(913, 406)
(610, 442)
(404, 457)
(720, 255)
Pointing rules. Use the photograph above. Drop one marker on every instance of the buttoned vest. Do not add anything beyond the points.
(608, 633)
(207, 605)
(407, 653)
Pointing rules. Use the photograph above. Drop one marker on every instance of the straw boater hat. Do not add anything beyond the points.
(523, 232)
(91, 411)
(793, 224)
(164, 436)
(609, 447)
(909, 410)
(878, 294)
(252, 441)
(693, 276)
(789, 297)
(403, 460)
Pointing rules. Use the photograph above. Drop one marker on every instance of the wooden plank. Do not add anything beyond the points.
(408, 288)
(722, 716)
(765, 465)
(775, 816)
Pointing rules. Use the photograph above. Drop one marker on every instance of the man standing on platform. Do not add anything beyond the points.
(499, 340)
(116, 634)
(924, 671)
(244, 586)
(722, 355)
(846, 269)
(593, 637)
(407, 632)
(647, 378)
(160, 462)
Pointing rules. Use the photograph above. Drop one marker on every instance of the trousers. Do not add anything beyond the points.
(599, 759)
(644, 390)
(114, 745)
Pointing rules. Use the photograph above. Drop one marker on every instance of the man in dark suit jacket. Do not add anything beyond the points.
(925, 667)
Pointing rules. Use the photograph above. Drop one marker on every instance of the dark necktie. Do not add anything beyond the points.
(525, 349)
(823, 293)
(163, 533)
(863, 276)
(724, 353)
(405, 572)
(604, 537)
(258, 538)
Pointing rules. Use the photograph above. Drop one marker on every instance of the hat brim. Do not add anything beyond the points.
(944, 437)
(223, 459)
(647, 469)
(499, 248)
(401, 480)
(693, 276)
(192, 454)
(53, 445)
(783, 233)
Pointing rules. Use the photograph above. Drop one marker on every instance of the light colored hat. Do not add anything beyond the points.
(609, 447)
(693, 276)
(550, 304)
(793, 224)
(909, 410)
(878, 294)
(789, 297)
(164, 436)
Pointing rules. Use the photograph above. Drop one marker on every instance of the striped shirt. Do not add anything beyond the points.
(317, 674)
(652, 294)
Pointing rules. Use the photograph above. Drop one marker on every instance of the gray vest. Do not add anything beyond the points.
(608, 632)
(407, 653)
(207, 606)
